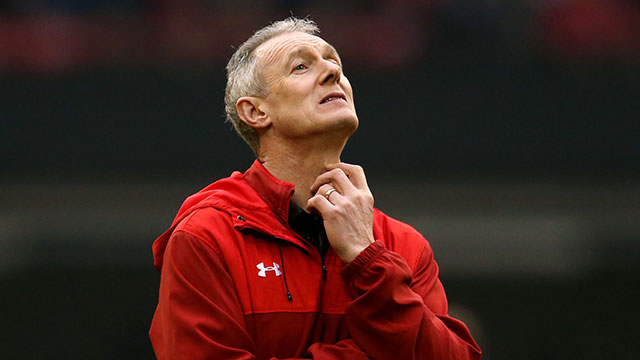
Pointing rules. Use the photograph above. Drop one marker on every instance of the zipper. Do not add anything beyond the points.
(324, 268)
(243, 225)
(284, 273)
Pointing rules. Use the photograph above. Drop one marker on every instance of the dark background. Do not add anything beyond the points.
(506, 132)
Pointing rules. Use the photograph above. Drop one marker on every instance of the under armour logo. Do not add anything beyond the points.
(263, 270)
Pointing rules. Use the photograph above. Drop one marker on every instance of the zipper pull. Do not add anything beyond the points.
(239, 217)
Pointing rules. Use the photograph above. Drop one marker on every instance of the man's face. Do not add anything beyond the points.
(308, 94)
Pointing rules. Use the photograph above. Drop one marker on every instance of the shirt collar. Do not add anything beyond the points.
(276, 193)
(301, 220)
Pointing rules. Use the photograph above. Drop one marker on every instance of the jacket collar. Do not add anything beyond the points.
(276, 193)
(243, 203)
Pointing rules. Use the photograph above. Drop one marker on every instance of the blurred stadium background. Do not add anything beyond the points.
(507, 132)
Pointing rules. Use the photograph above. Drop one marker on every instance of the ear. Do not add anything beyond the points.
(250, 110)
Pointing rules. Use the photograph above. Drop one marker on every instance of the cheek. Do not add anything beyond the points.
(291, 92)
(346, 85)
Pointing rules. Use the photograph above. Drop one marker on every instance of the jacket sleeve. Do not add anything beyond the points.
(199, 315)
(399, 315)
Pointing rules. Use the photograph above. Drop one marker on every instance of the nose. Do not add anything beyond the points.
(332, 74)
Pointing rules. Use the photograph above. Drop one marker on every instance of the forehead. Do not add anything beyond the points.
(281, 46)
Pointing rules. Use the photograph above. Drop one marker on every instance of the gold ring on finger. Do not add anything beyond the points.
(329, 192)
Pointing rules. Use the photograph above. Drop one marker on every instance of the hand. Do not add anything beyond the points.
(347, 212)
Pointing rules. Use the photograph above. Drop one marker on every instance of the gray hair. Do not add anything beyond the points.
(244, 77)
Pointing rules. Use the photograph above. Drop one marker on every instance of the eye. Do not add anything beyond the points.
(300, 67)
(335, 62)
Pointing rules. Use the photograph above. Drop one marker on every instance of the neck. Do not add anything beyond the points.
(300, 164)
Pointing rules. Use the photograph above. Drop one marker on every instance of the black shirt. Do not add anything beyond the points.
(310, 227)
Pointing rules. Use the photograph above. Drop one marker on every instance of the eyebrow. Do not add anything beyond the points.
(300, 50)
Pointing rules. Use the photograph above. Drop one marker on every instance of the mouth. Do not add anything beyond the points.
(336, 96)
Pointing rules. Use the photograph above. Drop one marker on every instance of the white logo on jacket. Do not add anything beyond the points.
(263, 269)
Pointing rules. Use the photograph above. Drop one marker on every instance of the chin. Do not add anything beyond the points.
(346, 125)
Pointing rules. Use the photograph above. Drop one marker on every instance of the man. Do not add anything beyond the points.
(290, 259)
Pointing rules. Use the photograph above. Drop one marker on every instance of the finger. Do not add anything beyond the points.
(334, 197)
(325, 178)
(319, 203)
(337, 178)
(322, 190)
(355, 173)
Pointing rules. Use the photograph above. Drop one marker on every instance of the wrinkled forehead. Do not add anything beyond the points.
(280, 47)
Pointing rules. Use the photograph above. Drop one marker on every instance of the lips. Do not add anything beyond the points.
(332, 97)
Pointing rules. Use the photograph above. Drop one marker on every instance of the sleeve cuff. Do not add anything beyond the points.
(362, 260)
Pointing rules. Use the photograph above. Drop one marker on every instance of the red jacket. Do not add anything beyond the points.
(238, 283)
